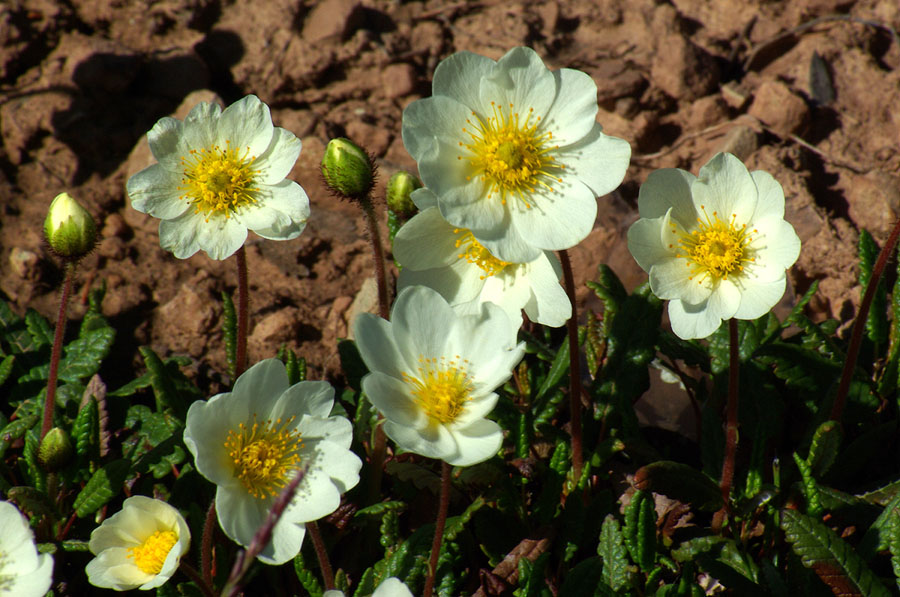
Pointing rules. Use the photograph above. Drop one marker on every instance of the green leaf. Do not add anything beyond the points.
(877, 537)
(833, 560)
(680, 482)
(583, 579)
(306, 577)
(823, 450)
(615, 559)
(41, 334)
(640, 530)
(104, 485)
(558, 369)
(6, 367)
(31, 501)
(35, 473)
(352, 364)
(86, 430)
(85, 354)
(170, 386)
(876, 321)
(229, 332)
(810, 488)
(894, 542)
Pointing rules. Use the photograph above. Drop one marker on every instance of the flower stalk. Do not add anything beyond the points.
(240, 361)
(438, 529)
(59, 332)
(322, 554)
(574, 369)
(206, 544)
(731, 421)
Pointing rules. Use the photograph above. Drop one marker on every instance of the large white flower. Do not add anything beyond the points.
(433, 374)
(219, 174)
(253, 440)
(138, 547)
(436, 254)
(389, 587)
(23, 571)
(716, 246)
(513, 151)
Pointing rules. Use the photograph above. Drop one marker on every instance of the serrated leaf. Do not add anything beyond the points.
(6, 367)
(679, 482)
(833, 560)
(31, 501)
(640, 530)
(583, 579)
(823, 449)
(86, 430)
(877, 536)
(558, 369)
(41, 333)
(35, 474)
(171, 388)
(104, 485)
(894, 542)
(85, 354)
(380, 508)
(809, 486)
(615, 559)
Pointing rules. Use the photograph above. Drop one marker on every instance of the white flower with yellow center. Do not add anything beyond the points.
(253, 440)
(433, 374)
(221, 173)
(23, 571)
(513, 151)
(716, 246)
(138, 547)
(436, 254)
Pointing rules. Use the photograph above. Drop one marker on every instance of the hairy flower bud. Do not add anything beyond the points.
(399, 188)
(55, 450)
(347, 169)
(69, 228)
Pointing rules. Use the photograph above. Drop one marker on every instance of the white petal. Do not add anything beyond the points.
(34, 583)
(247, 125)
(340, 463)
(113, 569)
(278, 159)
(280, 213)
(220, 237)
(521, 79)
(771, 196)
(317, 495)
(433, 441)
(423, 198)
(420, 321)
(459, 75)
(778, 246)
(391, 397)
(460, 282)
(477, 443)
(725, 299)
(673, 279)
(313, 398)
(758, 298)
(692, 321)
(376, 344)
(392, 587)
(426, 241)
(261, 385)
(549, 304)
(560, 219)
(213, 419)
(240, 514)
(597, 160)
(337, 430)
(287, 539)
(476, 408)
(167, 143)
(668, 188)
(432, 121)
(645, 242)
(574, 110)
(200, 125)
(154, 191)
(726, 188)
(508, 243)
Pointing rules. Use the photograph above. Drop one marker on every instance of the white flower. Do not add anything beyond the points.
(433, 374)
(434, 253)
(513, 151)
(716, 246)
(253, 440)
(220, 174)
(389, 587)
(138, 547)
(23, 571)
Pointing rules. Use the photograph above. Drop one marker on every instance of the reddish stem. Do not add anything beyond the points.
(574, 368)
(59, 332)
(731, 421)
(860, 323)
(240, 361)
(439, 528)
(201, 583)
(206, 543)
(322, 554)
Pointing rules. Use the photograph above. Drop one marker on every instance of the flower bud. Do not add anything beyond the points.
(347, 169)
(399, 188)
(69, 228)
(55, 450)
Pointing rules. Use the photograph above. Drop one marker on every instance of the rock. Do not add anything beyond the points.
(616, 78)
(705, 112)
(365, 301)
(778, 107)
(735, 95)
(331, 18)
(273, 330)
(741, 141)
(682, 69)
(185, 320)
(112, 247)
(398, 80)
(25, 264)
(373, 139)
(874, 202)
(114, 225)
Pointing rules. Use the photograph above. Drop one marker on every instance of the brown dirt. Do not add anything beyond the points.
(82, 81)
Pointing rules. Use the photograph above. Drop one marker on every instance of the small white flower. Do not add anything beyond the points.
(513, 151)
(138, 547)
(253, 440)
(23, 571)
(716, 246)
(436, 254)
(219, 174)
(389, 587)
(433, 374)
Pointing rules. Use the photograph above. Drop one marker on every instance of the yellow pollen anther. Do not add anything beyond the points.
(264, 455)
(151, 554)
(440, 388)
(475, 253)
(510, 154)
(716, 248)
(218, 180)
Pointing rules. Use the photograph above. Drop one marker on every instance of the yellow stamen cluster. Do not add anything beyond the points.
(264, 455)
(218, 180)
(715, 248)
(474, 252)
(511, 154)
(151, 554)
(441, 388)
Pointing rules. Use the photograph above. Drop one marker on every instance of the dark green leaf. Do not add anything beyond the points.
(6, 367)
(86, 430)
(640, 530)
(583, 579)
(558, 369)
(103, 486)
(40, 331)
(680, 482)
(31, 501)
(810, 488)
(84, 355)
(615, 559)
(823, 450)
(352, 364)
(894, 542)
(876, 321)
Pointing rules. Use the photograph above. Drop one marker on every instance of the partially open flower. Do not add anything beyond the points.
(251, 442)
(716, 246)
(433, 374)
(138, 547)
(69, 228)
(221, 173)
(23, 571)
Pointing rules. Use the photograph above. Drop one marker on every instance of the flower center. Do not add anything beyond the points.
(475, 253)
(217, 180)
(511, 154)
(264, 455)
(440, 388)
(716, 247)
(151, 554)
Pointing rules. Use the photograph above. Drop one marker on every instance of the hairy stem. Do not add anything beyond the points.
(860, 323)
(731, 421)
(322, 554)
(206, 544)
(58, 333)
(201, 583)
(574, 368)
(240, 361)
(438, 529)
